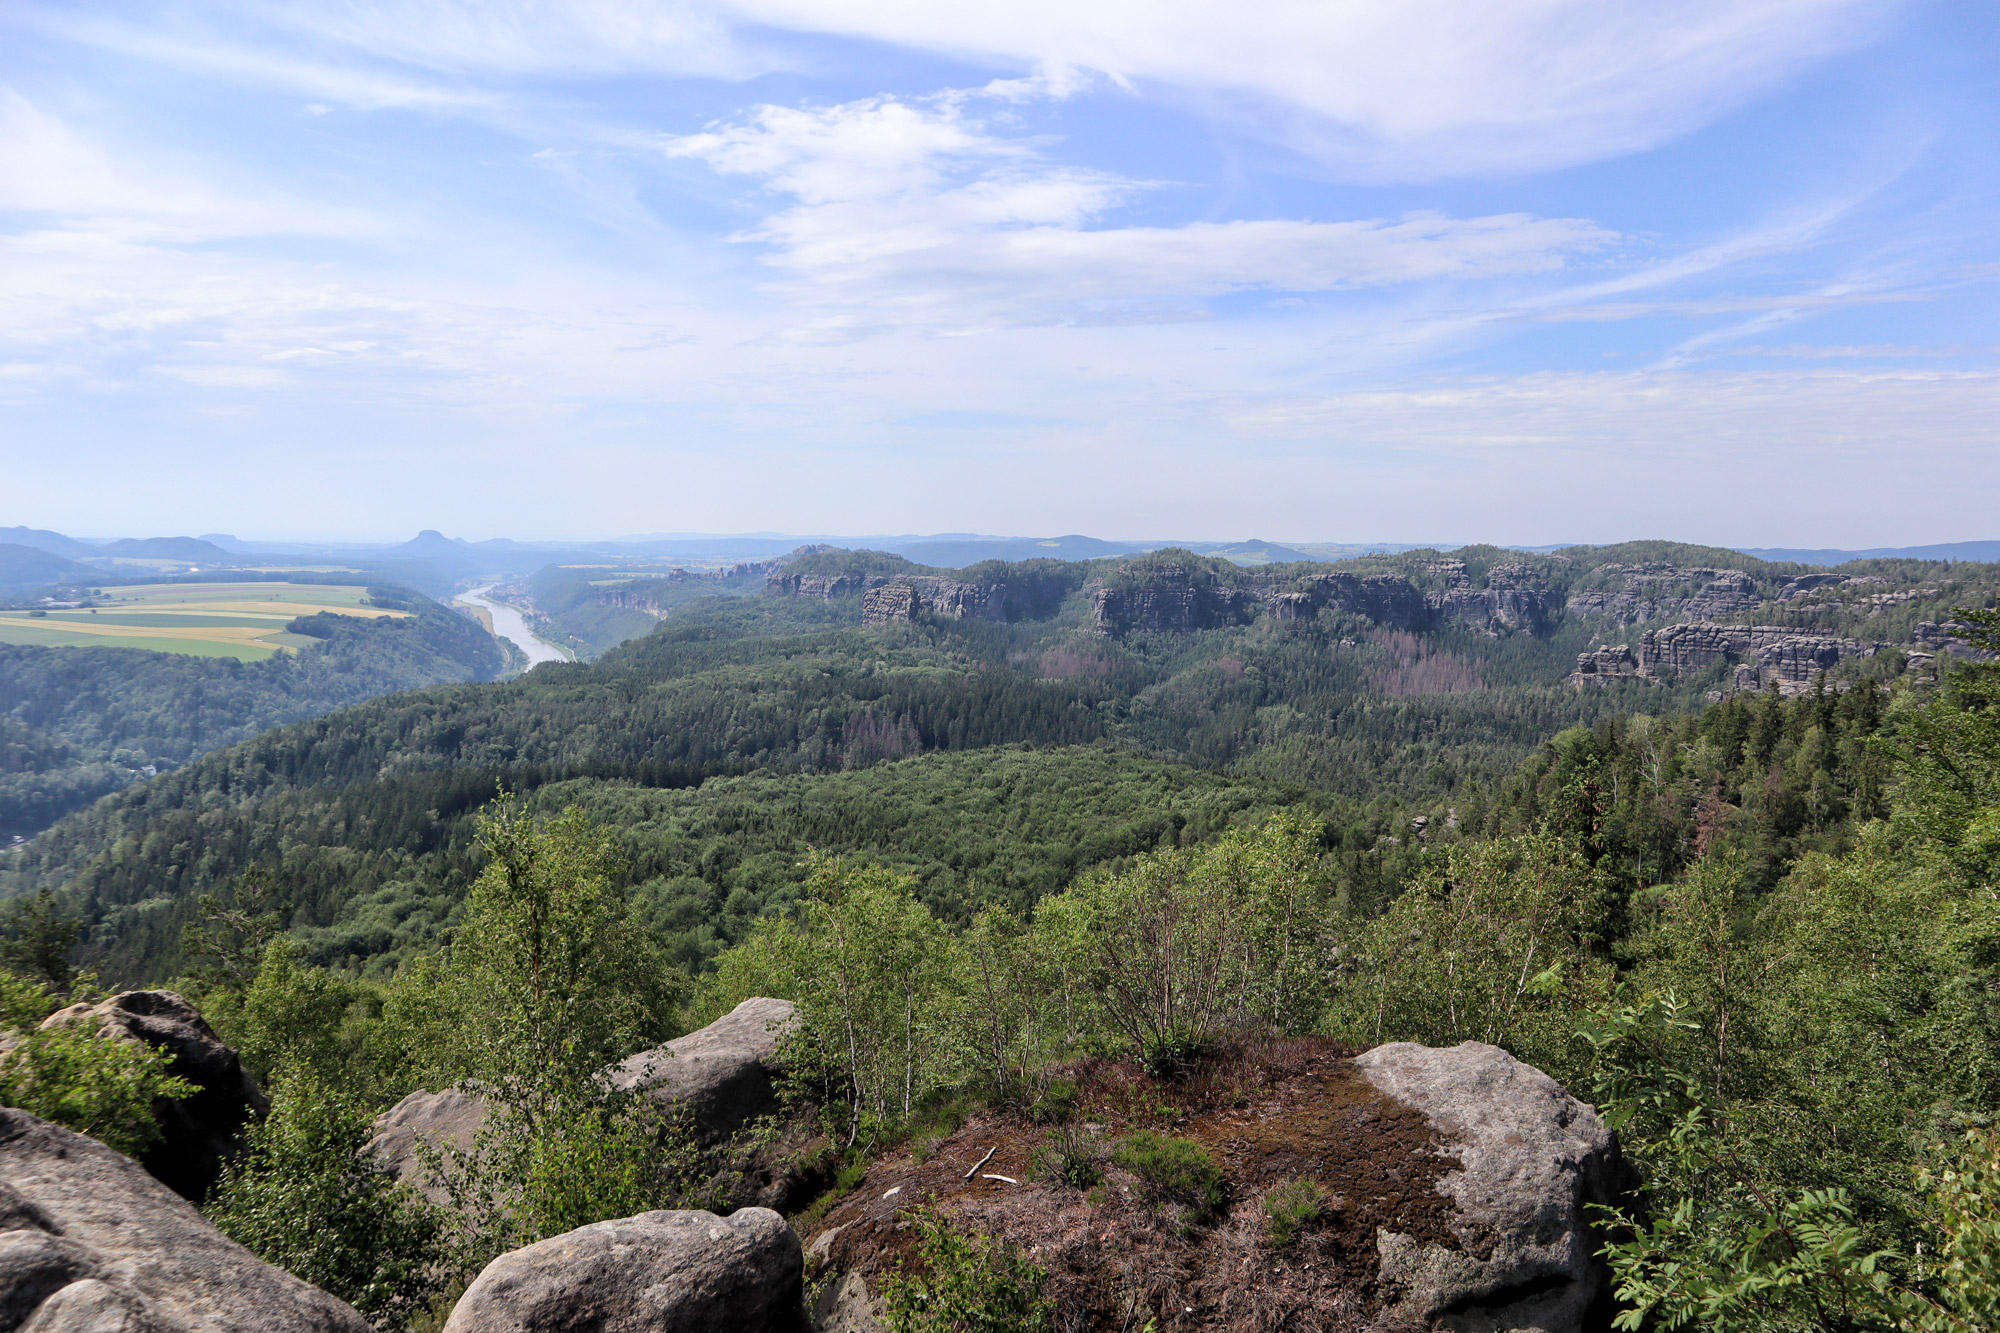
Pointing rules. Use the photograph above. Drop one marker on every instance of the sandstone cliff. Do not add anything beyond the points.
(1176, 595)
(1763, 654)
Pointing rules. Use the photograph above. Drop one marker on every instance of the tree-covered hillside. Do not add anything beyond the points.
(77, 723)
(1386, 688)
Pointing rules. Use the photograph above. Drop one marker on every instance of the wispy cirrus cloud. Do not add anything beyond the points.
(918, 211)
(1419, 89)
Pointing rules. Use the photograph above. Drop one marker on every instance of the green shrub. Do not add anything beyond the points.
(1966, 1191)
(1174, 1170)
(601, 1154)
(304, 1198)
(851, 1169)
(975, 1284)
(1169, 1055)
(1055, 1103)
(1291, 1208)
(71, 1076)
(1070, 1157)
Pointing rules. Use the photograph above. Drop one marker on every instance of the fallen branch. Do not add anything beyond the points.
(982, 1161)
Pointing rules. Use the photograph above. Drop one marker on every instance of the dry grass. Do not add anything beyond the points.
(1271, 1112)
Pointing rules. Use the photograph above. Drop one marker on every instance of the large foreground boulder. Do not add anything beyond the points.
(200, 1132)
(1531, 1161)
(90, 1243)
(664, 1272)
(721, 1075)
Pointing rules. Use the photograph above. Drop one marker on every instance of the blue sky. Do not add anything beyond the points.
(1510, 270)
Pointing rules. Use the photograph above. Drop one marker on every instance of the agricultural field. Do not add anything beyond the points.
(241, 620)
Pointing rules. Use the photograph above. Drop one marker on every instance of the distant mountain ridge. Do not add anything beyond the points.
(44, 540)
(24, 567)
(166, 548)
(1982, 552)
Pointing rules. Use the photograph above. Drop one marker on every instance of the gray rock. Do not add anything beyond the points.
(846, 1306)
(90, 1243)
(664, 1272)
(720, 1074)
(1532, 1161)
(200, 1132)
(449, 1119)
(91, 1306)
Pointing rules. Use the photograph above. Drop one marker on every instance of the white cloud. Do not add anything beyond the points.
(1409, 89)
(64, 179)
(527, 36)
(1404, 90)
(915, 212)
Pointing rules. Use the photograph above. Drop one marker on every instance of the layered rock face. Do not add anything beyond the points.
(198, 1133)
(1174, 598)
(1532, 1160)
(1385, 600)
(1600, 666)
(1514, 598)
(721, 1075)
(822, 587)
(90, 1243)
(1764, 654)
(1657, 590)
(664, 1272)
(907, 598)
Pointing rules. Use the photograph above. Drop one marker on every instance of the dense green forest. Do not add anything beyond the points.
(367, 813)
(77, 723)
(716, 693)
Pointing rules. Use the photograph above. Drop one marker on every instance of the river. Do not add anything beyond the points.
(511, 625)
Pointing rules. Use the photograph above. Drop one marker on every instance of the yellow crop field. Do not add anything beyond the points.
(241, 620)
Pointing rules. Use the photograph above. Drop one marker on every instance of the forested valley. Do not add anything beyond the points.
(1712, 842)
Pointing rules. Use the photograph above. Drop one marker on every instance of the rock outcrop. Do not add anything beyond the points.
(664, 1272)
(1531, 1161)
(721, 1075)
(447, 1120)
(1394, 602)
(1764, 654)
(1456, 1189)
(1169, 598)
(820, 587)
(1601, 666)
(90, 1243)
(1515, 598)
(200, 1132)
(908, 598)
(1166, 596)
(1657, 590)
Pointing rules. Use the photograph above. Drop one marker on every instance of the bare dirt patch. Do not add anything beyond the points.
(1270, 1111)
